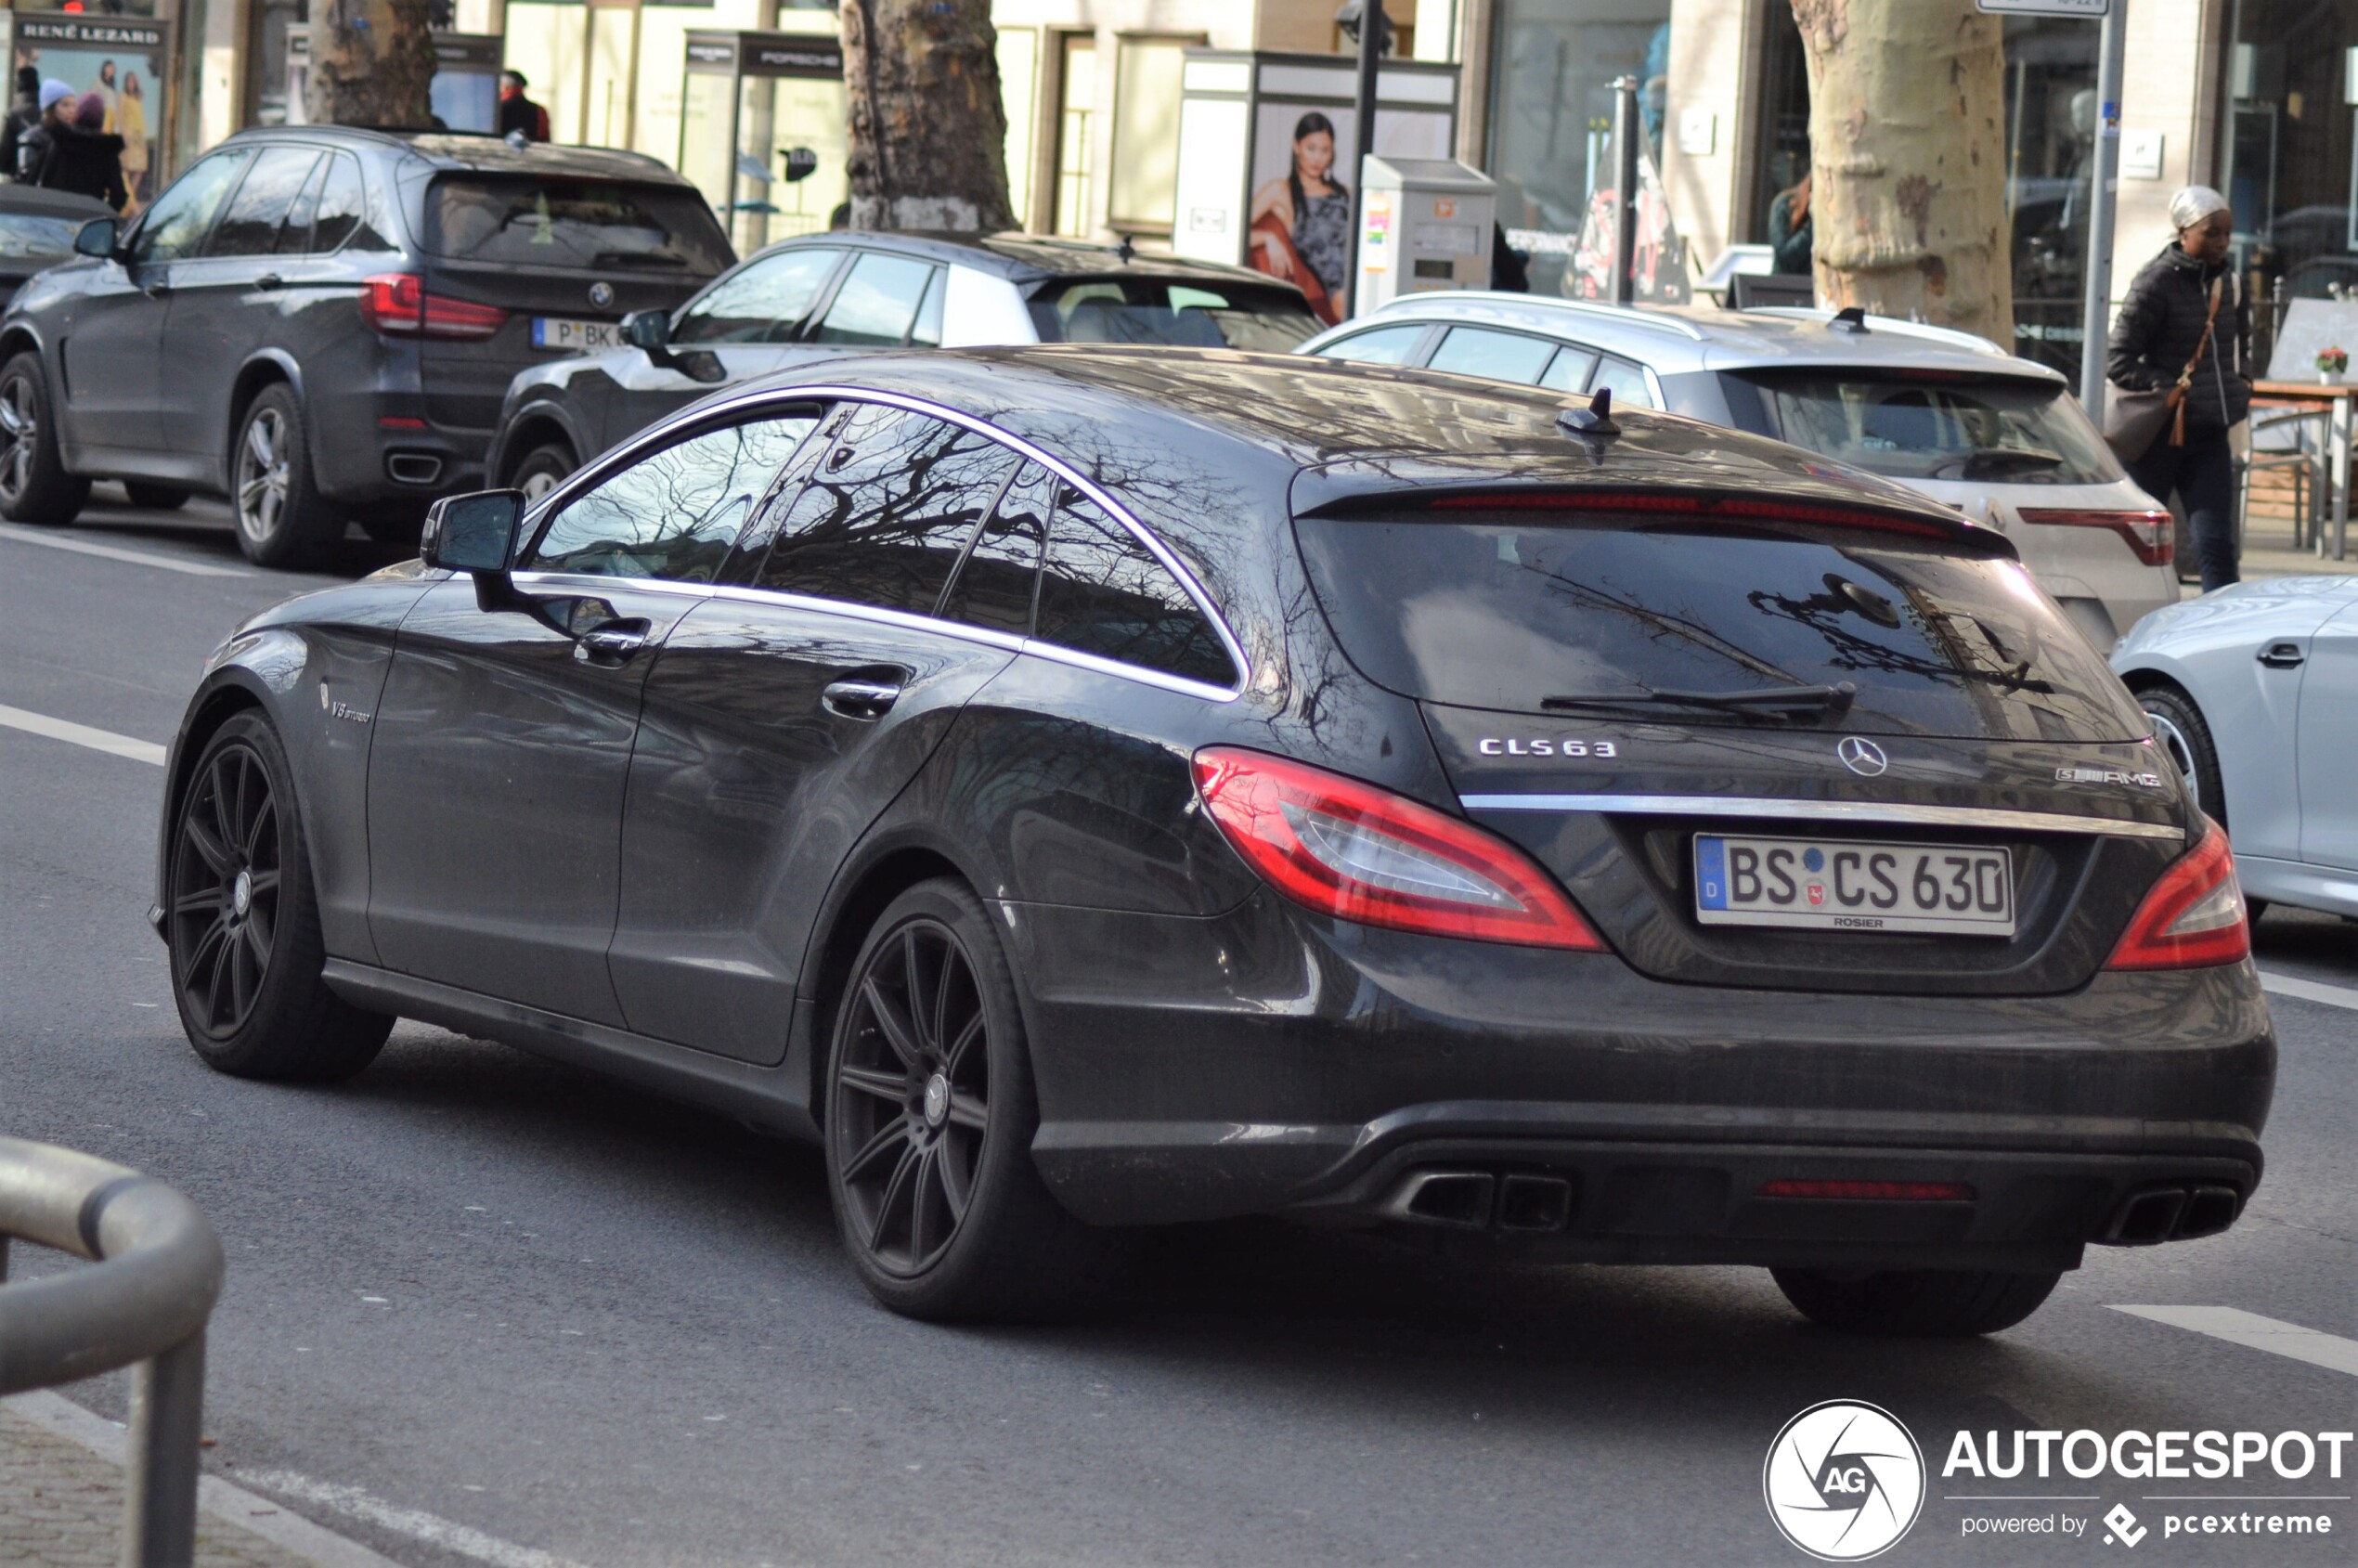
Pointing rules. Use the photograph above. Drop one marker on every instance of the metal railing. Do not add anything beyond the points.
(157, 1271)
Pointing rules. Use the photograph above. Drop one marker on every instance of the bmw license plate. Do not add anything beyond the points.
(550, 332)
(1844, 885)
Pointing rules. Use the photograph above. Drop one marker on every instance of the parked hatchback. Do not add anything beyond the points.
(319, 323)
(1100, 788)
(1945, 413)
(830, 294)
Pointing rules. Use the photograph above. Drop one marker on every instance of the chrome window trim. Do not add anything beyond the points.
(727, 404)
(1897, 813)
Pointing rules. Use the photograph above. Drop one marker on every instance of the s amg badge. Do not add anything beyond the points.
(601, 294)
(1861, 755)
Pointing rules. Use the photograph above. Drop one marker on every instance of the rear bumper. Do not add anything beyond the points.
(1267, 1061)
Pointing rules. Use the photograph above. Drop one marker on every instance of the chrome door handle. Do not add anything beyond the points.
(610, 644)
(861, 699)
(2282, 655)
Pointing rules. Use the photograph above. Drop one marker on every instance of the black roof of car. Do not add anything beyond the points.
(1029, 258)
(489, 154)
(1353, 430)
(41, 202)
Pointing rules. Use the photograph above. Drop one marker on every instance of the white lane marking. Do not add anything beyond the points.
(116, 553)
(2309, 991)
(2236, 1327)
(61, 1418)
(82, 735)
(431, 1529)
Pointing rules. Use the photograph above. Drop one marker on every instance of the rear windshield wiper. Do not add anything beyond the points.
(1766, 702)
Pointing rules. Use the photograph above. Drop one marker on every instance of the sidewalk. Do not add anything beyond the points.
(61, 1502)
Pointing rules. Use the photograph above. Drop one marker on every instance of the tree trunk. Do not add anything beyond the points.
(1907, 159)
(928, 131)
(371, 63)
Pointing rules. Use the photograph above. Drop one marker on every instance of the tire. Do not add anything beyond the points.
(157, 497)
(928, 1100)
(1915, 1302)
(247, 980)
(34, 486)
(283, 521)
(2179, 728)
(543, 469)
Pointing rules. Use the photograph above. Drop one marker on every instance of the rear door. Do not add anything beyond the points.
(785, 717)
(566, 258)
(502, 744)
(226, 302)
(2328, 745)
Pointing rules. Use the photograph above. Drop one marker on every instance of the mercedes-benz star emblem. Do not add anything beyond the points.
(601, 294)
(1861, 755)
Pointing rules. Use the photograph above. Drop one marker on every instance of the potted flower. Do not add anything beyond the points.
(2331, 363)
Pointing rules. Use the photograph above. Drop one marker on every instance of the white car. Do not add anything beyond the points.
(2253, 691)
(1946, 413)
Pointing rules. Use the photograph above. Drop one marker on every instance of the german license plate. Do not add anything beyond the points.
(1844, 885)
(550, 332)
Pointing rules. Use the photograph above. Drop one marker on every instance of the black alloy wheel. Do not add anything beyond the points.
(34, 486)
(930, 1114)
(242, 922)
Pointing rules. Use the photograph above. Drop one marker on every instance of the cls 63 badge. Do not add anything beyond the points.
(1493, 745)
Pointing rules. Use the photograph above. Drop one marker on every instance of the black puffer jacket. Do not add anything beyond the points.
(2159, 324)
(69, 158)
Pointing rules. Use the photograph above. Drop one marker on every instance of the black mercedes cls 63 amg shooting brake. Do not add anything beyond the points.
(1091, 788)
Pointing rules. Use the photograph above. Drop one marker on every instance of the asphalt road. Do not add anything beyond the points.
(482, 1308)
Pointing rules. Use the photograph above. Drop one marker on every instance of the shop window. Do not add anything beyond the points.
(1077, 136)
(2290, 172)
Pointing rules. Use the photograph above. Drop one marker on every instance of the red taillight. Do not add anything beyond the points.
(2149, 534)
(1365, 854)
(1859, 1191)
(397, 304)
(2194, 917)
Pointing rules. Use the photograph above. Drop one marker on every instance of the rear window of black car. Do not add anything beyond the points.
(1188, 315)
(1507, 610)
(600, 225)
(33, 237)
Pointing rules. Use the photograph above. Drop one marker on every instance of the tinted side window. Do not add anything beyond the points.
(673, 513)
(1385, 345)
(1504, 356)
(877, 302)
(889, 512)
(764, 302)
(273, 181)
(177, 224)
(1103, 592)
(343, 211)
(995, 582)
(294, 234)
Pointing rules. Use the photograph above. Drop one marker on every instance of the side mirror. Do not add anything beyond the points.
(650, 329)
(474, 533)
(98, 238)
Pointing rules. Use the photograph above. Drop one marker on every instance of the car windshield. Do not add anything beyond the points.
(1155, 310)
(1709, 622)
(1918, 426)
(30, 236)
(587, 223)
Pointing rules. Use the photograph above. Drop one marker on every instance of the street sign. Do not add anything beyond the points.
(2086, 9)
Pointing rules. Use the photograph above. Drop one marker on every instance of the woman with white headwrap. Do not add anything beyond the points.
(2185, 322)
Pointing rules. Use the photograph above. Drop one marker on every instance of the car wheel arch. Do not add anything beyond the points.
(852, 906)
(2142, 683)
(228, 697)
(532, 428)
(265, 369)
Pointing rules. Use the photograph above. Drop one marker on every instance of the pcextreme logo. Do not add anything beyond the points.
(1843, 1481)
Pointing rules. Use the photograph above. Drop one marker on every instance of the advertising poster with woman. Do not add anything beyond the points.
(122, 61)
(1297, 224)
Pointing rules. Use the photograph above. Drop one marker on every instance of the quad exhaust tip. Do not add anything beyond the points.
(2173, 1213)
(1480, 1200)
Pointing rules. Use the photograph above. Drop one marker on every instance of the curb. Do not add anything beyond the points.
(256, 1516)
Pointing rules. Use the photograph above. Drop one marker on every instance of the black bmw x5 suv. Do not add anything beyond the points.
(319, 323)
(1098, 789)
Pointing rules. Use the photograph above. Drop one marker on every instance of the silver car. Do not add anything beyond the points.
(2253, 691)
(1947, 413)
